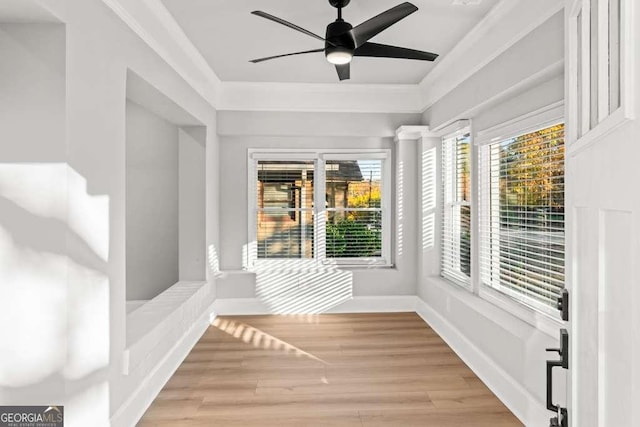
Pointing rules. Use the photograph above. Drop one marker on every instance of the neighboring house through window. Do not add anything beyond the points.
(348, 226)
(285, 209)
(354, 209)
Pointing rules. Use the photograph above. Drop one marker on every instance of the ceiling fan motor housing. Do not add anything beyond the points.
(339, 38)
(339, 3)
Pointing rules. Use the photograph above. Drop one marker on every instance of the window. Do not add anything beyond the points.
(522, 216)
(285, 209)
(456, 223)
(354, 208)
(320, 207)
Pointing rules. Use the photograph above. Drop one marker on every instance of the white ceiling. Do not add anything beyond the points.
(228, 36)
(24, 11)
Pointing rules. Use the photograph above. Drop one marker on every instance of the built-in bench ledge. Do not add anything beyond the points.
(162, 320)
(134, 305)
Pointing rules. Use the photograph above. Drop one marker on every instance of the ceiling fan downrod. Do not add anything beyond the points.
(339, 4)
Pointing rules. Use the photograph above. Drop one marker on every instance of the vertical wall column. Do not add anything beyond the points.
(407, 229)
(430, 201)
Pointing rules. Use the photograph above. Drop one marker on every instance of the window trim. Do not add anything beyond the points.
(549, 115)
(536, 120)
(318, 156)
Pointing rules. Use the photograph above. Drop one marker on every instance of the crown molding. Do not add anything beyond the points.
(507, 23)
(155, 25)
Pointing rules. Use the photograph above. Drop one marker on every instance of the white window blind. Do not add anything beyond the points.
(354, 208)
(456, 223)
(319, 207)
(284, 214)
(522, 216)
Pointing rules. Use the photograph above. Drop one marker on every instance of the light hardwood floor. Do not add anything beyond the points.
(330, 369)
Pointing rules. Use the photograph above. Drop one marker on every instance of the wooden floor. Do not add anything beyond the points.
(330, 369)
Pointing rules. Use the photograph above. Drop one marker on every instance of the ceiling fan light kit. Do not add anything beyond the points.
(343, 41)
(339, 55)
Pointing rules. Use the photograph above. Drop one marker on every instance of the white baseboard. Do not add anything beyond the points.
(364, 304)
(134, 408)
(377, 304)
(522, 403)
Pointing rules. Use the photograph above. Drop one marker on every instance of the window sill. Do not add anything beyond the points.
(464, 284)
(545, 322)
(356, 262)
(363, 266)
(312, 265)
(500, 308)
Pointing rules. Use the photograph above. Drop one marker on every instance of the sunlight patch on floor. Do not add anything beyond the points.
(260, 339)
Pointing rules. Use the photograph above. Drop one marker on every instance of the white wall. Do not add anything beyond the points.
(191, 204)
(32, 74)
(512, 346)
(151, 203)
(533, 60)
(33, 214)
(83, 368)
(241, 131)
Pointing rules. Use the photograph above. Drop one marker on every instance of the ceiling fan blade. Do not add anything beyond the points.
(344, 71)
(363, 32)
(286, 24)
(255, 61)
(386, 51)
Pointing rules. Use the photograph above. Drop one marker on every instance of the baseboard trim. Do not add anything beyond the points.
(364, 304)
(515, 397)
(132, 410)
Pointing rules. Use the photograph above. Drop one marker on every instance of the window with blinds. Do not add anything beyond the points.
(456, 220)
(331, 208)
(354, 208)
(522, 216)
(284, 211)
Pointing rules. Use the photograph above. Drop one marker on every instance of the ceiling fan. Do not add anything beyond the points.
(343, 41)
